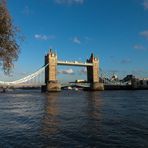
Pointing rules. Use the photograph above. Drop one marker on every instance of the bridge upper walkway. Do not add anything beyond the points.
(75, 63)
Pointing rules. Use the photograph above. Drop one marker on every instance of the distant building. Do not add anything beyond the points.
(140, 83)
(114, 77)
(128, 78)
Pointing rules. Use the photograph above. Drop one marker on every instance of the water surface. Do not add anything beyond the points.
(74, 119)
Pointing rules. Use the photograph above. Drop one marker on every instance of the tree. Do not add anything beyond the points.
(9, 49)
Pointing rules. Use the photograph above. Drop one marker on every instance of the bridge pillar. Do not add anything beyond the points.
(51, 73)
(93, 74)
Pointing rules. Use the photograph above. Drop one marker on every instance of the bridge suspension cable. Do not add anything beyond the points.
(25, 79)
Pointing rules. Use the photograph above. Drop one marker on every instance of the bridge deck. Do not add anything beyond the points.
(75, 63)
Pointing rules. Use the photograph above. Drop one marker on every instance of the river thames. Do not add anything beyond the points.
(107, 119)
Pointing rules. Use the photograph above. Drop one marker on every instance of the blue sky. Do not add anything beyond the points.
(116, 31)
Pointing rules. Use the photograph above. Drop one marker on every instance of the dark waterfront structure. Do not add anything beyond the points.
(51, 81)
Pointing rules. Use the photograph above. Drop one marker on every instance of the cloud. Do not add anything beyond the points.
(126, 61)
(139, 47)
(83, 71)
(67, 71)
(144, 34)
(44, 37)
(145, 4)
(69, 2)
(87, 38)
(76, 40)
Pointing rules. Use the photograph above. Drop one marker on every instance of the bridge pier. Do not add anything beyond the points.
(53, 86)
(96, 86)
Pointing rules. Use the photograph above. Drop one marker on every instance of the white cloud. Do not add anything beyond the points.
(67, 71)
(76, 40)
(145, 4)
(83, 40)
(69, 2)
(144, 34)
(87, 38)
(139, 47)
(44, 37)
(83, 71)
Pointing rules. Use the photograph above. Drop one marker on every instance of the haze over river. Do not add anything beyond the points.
(107, 119)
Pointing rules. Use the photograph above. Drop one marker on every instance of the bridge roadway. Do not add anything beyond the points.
(75, 63)
(21, 86)
(39, 85)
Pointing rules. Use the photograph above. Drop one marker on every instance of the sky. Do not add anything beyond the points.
(116, 31)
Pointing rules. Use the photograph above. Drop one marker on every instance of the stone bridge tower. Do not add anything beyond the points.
(51, 73)
(93, 74)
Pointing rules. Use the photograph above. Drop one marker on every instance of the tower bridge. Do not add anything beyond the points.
(46, 76)
(51, 81)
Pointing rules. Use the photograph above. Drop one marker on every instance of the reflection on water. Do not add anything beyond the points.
(50, 119)
(94, 112)
(74, 119)
(94, 105)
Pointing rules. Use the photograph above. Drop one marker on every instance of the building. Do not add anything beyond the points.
(140, 83)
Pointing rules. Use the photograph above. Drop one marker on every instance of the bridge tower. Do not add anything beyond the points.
(93, 74)
(51, 73)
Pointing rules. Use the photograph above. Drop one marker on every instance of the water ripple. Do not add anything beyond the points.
(74, 119)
